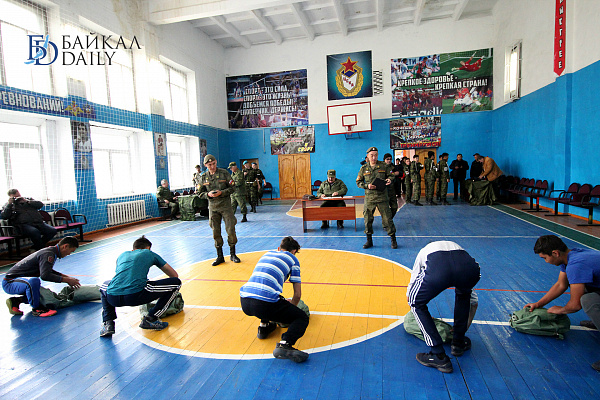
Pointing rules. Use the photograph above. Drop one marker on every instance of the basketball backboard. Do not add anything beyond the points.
(349, 118)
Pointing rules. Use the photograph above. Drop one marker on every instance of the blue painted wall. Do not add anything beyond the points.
(461, 133)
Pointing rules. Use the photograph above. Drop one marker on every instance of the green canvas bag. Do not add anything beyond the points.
(540, 322)
(176, 306)
(411, 326)
(68, 296)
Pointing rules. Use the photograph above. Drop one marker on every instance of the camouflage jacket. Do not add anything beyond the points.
(239, 181)
(443, 171)
(220, 180)
(367, 175)
(415, 171)
(163, 193)
(328, 189)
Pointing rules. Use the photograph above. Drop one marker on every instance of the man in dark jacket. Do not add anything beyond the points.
(459, 169)
(22, 213)
(476, 167)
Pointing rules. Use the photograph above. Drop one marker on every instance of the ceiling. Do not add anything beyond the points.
(247, 23)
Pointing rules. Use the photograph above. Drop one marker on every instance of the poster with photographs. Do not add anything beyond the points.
(82, 145)
(415, 133)
(267, 100)
(293, 140)
(160, 141)
(443, 83)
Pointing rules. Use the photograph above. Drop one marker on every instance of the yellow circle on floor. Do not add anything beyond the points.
(352, 297)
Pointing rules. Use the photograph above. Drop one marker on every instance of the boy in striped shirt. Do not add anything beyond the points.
(261, 297)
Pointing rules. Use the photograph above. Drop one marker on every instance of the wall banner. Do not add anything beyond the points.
(293, 140)
(415, 133)
(82, 145)
(442, 83)
(349, 75)
(265, 100)
(560, 37)
(24, 100)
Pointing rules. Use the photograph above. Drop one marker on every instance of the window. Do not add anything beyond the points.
(37, 160)
(110, 85)
(123, 161)
(16, 22)
(171, 88)
(512, 82)
(183, 153)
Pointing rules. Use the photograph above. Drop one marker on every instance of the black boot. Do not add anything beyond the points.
(244, 218)
(220, 259)
(394, 243)
(369, 242)
(253, 208)
(232, 256)
(340, 224)
(416, 203)
(324, 225)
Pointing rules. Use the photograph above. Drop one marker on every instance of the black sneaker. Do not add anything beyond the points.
(596, 366)
(458, 349)
(108, 329)
(265, 331)
(433, 360)
(285, 351)
(588, 324)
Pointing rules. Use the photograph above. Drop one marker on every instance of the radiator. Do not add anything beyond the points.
(122, 213)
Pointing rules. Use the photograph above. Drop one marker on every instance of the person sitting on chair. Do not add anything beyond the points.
(332, 187)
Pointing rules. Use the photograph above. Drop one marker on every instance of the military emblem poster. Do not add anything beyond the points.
(293, 140)
(415, 133)
(349, 75)
(265, 100)
(442, 83)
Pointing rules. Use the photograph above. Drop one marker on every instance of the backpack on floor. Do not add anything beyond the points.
(540, 322)
(411, 326)
(175, 306)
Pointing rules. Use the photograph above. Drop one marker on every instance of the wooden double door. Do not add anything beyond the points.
(294, 176)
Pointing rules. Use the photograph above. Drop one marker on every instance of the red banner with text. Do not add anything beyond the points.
(560, 37)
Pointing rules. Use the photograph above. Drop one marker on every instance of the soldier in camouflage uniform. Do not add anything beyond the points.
(375, 199)
(239, 196)
(430, 175)
(251, 185)
(217, 187)
(407, 181)
(439, 182)
(444, 176)
(387, 158)
(197, 177)
(261, 181)
(164, 195)
(332, 187)
(415, 178)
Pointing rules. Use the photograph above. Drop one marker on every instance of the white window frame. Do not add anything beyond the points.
(142, 172)
(103, 84)
(512, 68)
(166, 89)
(190, 157)
(55, 151)
(39, 78)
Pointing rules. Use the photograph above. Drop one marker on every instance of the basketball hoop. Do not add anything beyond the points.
(348, 122)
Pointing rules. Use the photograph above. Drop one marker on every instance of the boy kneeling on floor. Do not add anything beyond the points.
(131, 287)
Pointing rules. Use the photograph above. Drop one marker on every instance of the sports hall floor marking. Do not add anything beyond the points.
(366, 305)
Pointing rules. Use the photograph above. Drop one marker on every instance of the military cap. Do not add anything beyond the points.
(232, 164)
(331, 172)
(209, 158)
(246, 162)
(372, 149)
(387, 155)
(198, 166)
(445, 154)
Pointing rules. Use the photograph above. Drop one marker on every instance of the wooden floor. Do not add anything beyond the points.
(359, 349)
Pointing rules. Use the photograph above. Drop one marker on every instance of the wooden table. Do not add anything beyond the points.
(313, 213)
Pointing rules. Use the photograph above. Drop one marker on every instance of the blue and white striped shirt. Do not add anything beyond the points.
(266, 282)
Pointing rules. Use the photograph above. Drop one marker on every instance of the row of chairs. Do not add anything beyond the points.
(582, 196)
(61, 219)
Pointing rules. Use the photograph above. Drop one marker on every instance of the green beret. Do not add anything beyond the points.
(209, 158)
(372, 149)
(232, 164)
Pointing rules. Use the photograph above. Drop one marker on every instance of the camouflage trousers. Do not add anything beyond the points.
(416, 191)
(439, 188)
(386, 217)
(223, 214)
(239, 200)
(443, 188)
(252, 194)
(429, 187)
(393, 202)
(408, 190)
